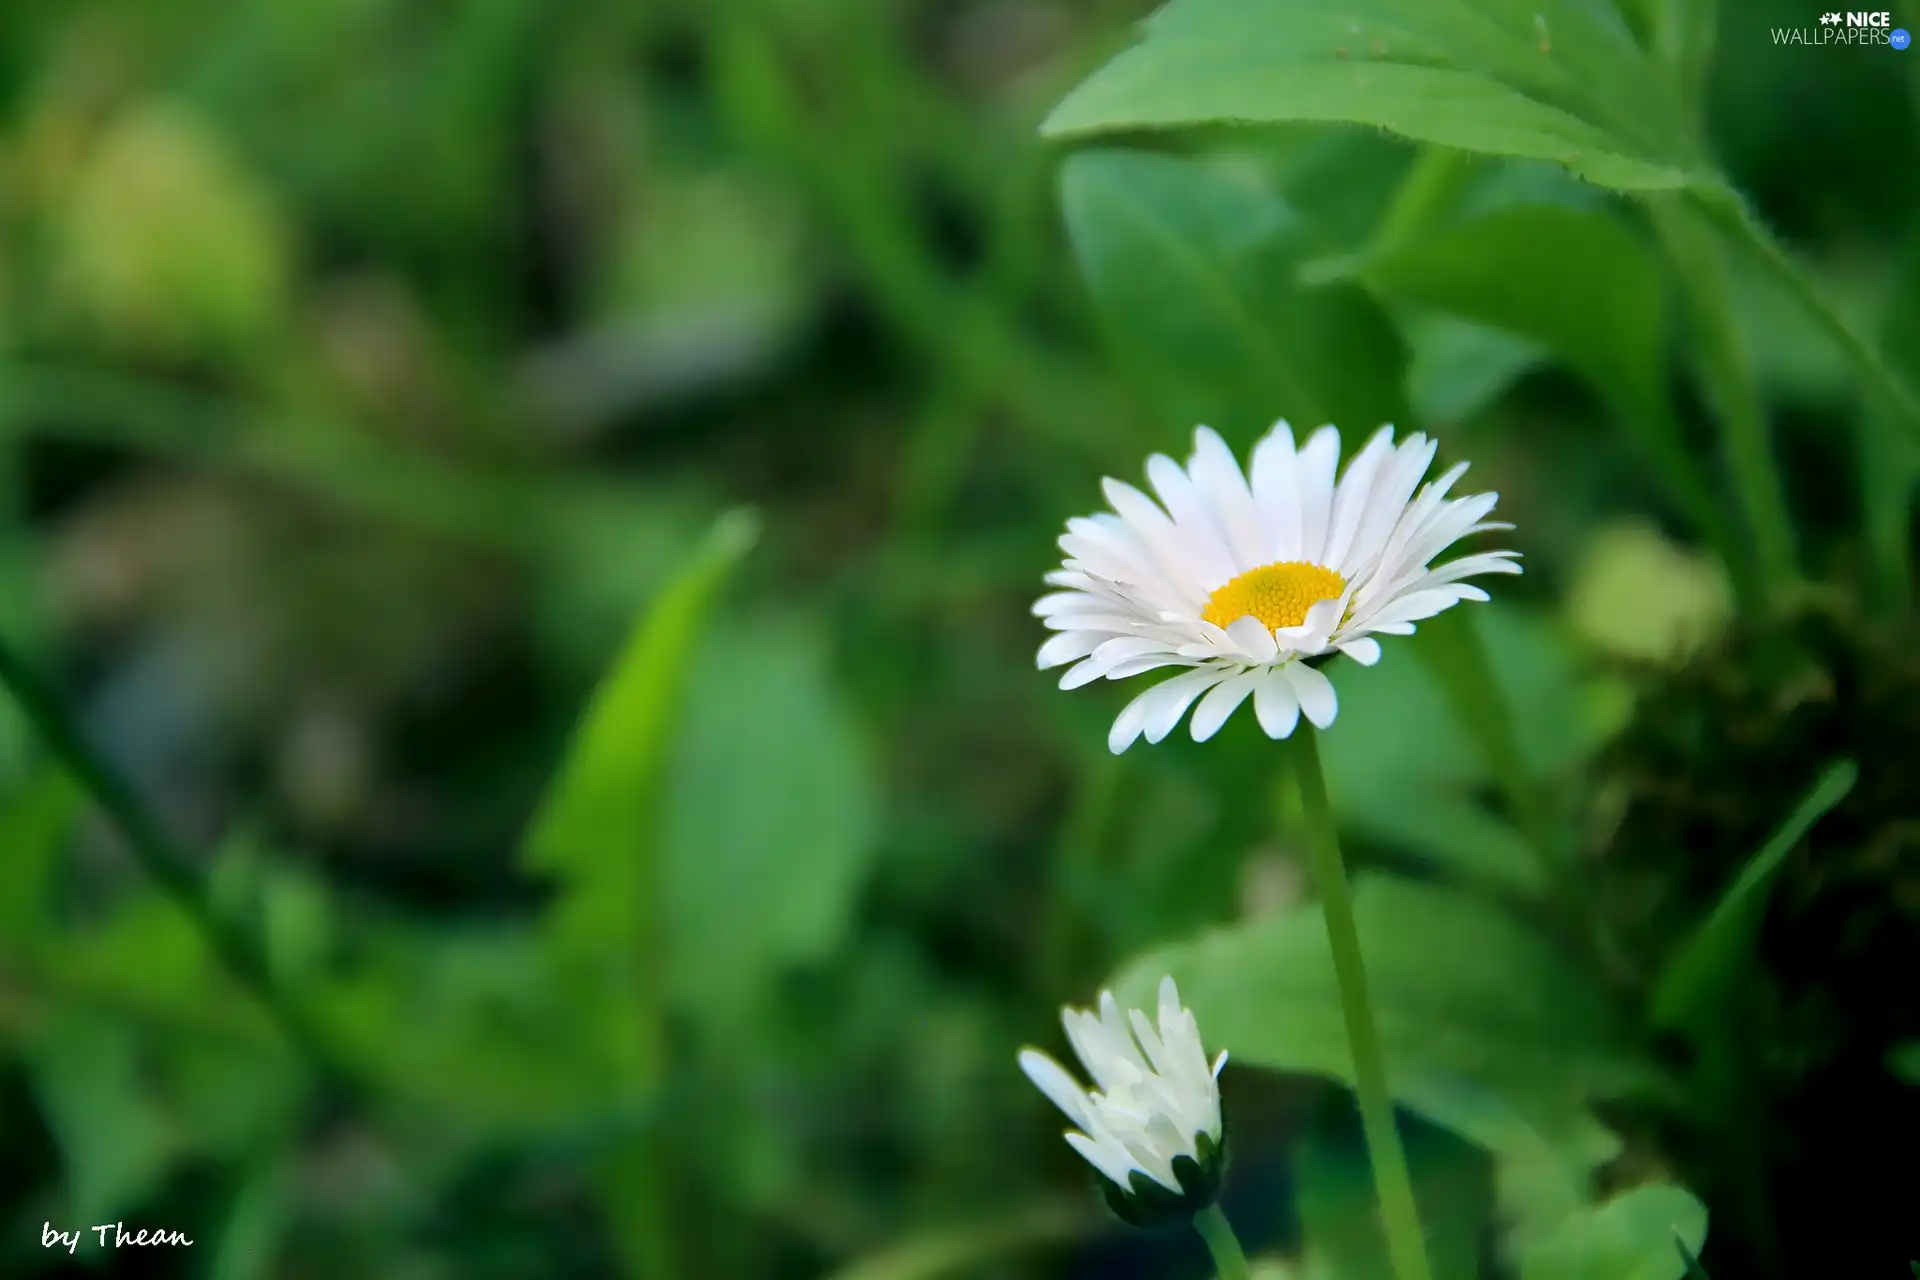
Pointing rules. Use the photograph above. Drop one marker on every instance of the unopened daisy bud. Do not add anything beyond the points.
(1151, 1124)
(1248, 579)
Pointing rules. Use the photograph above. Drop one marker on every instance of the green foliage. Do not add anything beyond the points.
(597, 826)
(35, 823)
(1558, 81)
(372, 376)
(769, 821)
(1509, 1013)
(1195, 267)
(1698, 978)
(1630, 1237)
(1581, 283)
(1340, 1217)
(1407, 771)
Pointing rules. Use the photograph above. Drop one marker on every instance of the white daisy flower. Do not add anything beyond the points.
(1151, 1125)
(1242, 578)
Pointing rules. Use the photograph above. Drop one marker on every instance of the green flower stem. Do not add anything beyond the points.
(1391, 1180)
(1228, 1257)
(156, 853)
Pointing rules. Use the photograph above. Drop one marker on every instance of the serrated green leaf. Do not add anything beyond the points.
(1702, 969)
(1552, 80)
(1194, 266)
(1630, 1237)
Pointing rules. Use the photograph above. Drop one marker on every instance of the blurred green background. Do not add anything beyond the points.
(380, 378)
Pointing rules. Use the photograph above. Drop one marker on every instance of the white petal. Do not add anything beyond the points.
(1157, 532)
(1053, 1080)
(1315, 692)
(1199, 530)
(1252, 637)
(1351, 496)
(1392, 490)
(1110, 1159)
(1057, 603)
(1311, 636)
(1171, 699)
(1221, 702)
(1319, 458)
(1275, 704)
(1218, 476)
(1365, 650)
(1276, 491)
(1415, 606)
(1140, 666)
(1067, 646)
(1126, 726)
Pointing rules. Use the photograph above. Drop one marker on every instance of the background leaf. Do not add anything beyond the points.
(1630, 1237)
(1340, 1214)
(1581, 283)
(1698, 976)
(1461, 990)
(770, 822)
(1194, 266)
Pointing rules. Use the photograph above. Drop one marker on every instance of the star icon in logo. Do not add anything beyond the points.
(1829, 19)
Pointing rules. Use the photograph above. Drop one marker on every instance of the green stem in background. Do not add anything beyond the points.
(238, 952)
(1884, 384)
(1229, 1260)
(1727, 373)
(1431, 188)
(1392, 1182)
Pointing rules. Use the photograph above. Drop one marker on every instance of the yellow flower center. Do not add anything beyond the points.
(1277, 594)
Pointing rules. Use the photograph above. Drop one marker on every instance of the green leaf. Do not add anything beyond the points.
(249, 1241)
(1694, 1270)
(596, 826)
(965, 1249)
(35, 821)
(1404, 770)
(1194, 267)
(1467, 997)
(1339, 1212)
(1707, 965)
(115, 1138)
(1630, 1237)
(1458, 369)
(770, 823)
(1582, 284)
(1547, 79)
